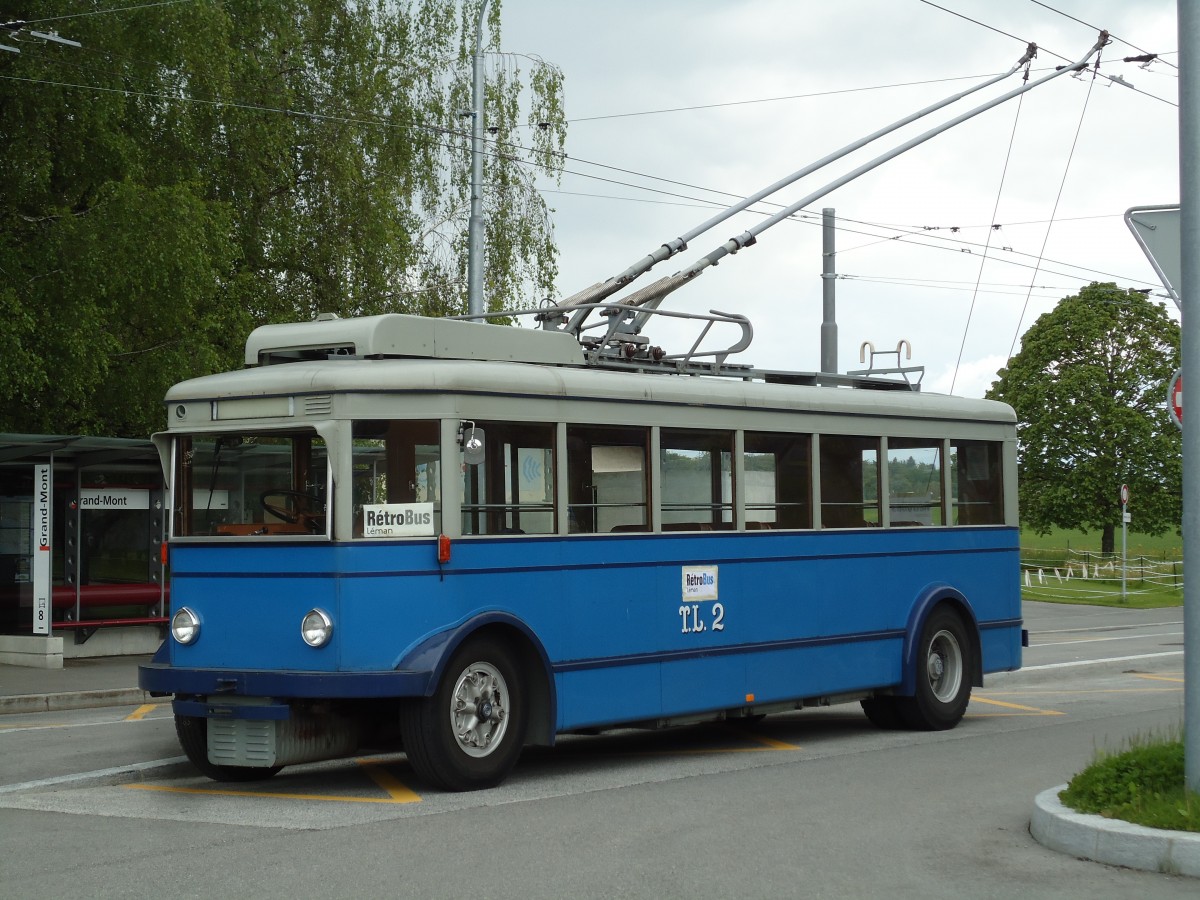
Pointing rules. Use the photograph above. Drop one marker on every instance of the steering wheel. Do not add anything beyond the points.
(296, 515)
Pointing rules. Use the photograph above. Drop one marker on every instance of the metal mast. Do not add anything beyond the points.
(1189, 245)
(475, 225)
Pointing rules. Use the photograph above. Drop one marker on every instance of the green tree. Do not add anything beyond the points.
(196, 169)
(1088, 387)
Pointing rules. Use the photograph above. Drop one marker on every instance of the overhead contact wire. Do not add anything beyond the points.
(1054, 211)
(987, 245)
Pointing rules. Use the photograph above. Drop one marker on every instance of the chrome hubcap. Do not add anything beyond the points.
(479, 709)
(944, 666)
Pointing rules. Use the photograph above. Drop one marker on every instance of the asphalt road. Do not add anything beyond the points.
(96, 803)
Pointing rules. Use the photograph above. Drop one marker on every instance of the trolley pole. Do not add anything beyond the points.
(1189, 195)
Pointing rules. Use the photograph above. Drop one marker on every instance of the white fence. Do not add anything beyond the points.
(1081, 575)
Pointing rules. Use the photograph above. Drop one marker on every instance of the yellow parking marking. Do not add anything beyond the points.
(1158, 677)
(768, 743)
(1019, 708)
(382, 777)
(396, 792)
(171, 789)
(141, 712)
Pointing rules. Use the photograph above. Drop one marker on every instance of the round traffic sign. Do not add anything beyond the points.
(1124, 495)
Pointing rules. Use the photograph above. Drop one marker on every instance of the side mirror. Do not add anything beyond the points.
(471, 439)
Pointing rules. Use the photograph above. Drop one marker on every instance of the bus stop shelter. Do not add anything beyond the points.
(95, 507)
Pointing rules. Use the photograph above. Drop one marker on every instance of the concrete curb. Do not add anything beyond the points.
(35, 703)
(1112, 841)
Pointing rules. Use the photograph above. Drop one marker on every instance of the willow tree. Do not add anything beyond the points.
(195, 169)
(1089, 388)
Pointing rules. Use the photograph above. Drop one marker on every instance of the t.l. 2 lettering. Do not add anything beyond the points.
(694, 620)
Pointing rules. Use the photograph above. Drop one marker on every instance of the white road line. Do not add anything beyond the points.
(1092, 662)
(1127, 637)
(62, 726)
(97, 773)
(1109, 628)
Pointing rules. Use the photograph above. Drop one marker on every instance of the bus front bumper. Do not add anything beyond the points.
(161, 679)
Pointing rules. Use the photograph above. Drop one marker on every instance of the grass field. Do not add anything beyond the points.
(1067, 567)
(1165, 546)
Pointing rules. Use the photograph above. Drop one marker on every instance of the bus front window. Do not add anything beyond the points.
(251, 484)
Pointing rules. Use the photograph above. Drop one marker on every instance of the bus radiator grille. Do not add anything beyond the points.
(269, 742)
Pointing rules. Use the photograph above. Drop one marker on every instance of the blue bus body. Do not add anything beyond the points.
(805, 615)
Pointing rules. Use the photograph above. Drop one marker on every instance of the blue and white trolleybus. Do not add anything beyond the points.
(461, 539)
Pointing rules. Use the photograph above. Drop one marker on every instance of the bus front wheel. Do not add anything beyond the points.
(944, 665)
(193, 738)
(468, 735)
(883, 712)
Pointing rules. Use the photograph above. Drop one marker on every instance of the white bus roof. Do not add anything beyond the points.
(517, 380)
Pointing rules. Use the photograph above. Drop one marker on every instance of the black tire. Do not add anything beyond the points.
(193, 738)
(884, 712)
(447, 741)
(944, 668)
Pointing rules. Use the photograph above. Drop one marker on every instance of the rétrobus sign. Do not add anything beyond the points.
(397, 519)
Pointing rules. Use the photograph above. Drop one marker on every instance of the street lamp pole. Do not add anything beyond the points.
(475, 225)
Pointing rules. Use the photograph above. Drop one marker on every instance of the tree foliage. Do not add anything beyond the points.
(1089, 389)
(196, 169)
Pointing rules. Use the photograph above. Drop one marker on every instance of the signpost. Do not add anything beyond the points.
(1175, 398)
(43, 489)
(1124, 541)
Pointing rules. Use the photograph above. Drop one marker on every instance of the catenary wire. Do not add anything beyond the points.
(102, 12)
(450, 132)
(1057, 199)
(1094, 28)
(983, 262)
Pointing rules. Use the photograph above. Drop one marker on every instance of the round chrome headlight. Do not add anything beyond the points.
(316, 628)
(185, 626)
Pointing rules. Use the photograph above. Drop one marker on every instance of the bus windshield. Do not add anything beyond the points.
(240, 484)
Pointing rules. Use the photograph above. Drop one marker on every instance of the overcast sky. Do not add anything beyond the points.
(674, 106)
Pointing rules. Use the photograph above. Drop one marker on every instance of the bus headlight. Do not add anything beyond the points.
(185, 626)
(316, 628)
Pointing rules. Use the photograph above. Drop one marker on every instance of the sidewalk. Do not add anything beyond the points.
(79, 684)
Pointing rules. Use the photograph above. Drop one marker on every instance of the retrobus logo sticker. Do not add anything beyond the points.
(397, 519)
(699, 583)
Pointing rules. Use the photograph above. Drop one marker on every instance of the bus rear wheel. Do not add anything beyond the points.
(944, 667)
(468, 735)
(193, 738)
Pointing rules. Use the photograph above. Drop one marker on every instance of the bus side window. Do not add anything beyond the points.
(395, 462)
(778, 480)
(849, 481)
(697, 480)
(976, 482)
(914, 481)
(606, 472)
(512, 490)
